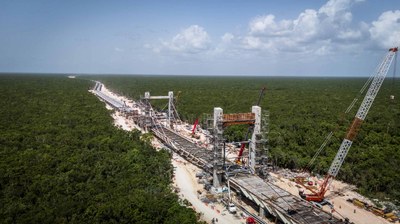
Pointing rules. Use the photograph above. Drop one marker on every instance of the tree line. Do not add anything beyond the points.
(62, 160)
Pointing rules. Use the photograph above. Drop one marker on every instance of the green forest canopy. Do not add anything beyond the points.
(302, 112)
(62, 160)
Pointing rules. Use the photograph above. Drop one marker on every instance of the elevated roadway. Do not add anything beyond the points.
(271, 199)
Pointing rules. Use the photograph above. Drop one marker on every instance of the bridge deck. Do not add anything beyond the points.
(185, 147)
(278, 202)
(275, 200)
(113, 102)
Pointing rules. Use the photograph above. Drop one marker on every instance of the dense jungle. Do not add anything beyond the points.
(63, 161)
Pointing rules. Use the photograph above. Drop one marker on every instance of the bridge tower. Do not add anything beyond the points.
(221, 121)
(170, 99)
(255, 138)
(218, 142)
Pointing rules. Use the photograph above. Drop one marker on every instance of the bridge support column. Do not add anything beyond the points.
(170, 103)
(254, 138)
(218, 131)
(262, 212)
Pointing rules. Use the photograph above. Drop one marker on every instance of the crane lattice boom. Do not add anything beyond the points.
(362, 112)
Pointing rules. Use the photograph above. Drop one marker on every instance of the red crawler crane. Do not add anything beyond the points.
(196, 122)
(352, 132)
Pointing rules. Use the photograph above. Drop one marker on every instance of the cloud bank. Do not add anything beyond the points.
(193, 39)
(322, 31)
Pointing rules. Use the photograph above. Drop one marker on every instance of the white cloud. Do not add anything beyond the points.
(306, 25)
(338, 10)
(227, 38)
(328, 30)
(386, 30)
(324, 50)
(310, 31)
(349, 34)
(193, 39)
(251, 42)
(266, 25)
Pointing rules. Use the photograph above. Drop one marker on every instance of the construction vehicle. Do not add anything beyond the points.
(391, 217)
(377, 80)
(196, 122)
(377, 211)
(359, 203)
(250, 220)
(231, 208)
(238, 160)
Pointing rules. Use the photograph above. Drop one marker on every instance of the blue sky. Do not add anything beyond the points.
(272, 38)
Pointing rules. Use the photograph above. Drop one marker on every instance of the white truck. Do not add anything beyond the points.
(231, 208)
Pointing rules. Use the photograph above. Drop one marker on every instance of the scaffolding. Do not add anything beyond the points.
(221, 121)
(172, 114)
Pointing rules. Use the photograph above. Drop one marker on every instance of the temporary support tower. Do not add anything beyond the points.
(170, 98)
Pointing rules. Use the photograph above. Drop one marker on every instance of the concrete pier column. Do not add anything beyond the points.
(256, 131)
(262, 212)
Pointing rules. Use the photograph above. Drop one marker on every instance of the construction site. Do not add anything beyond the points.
(235, 182)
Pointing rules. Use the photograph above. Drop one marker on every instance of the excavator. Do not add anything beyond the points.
(377, 80)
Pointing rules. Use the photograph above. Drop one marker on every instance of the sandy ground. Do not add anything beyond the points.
(123, 123)
(119, 119)
(184, 179)
(341, 206)
(186, 182)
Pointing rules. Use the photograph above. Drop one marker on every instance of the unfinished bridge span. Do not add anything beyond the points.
(270, 199)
